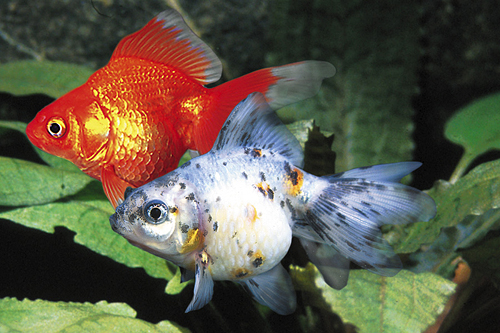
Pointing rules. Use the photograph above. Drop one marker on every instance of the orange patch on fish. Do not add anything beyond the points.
(240, 273)
(256, 258)
(252, 213)
(194, 240)
(264, 188)
(294, 179)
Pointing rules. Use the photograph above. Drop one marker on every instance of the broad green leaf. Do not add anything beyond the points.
(407, 302)
(41, 77)
(475, 127)
(174, 286)
(474, 194)
(367, 104)
(45, 316)
(89, 219)
(440, 256)
(51, 160)
(28, 183)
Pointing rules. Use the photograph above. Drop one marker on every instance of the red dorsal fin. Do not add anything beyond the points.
(167, 39)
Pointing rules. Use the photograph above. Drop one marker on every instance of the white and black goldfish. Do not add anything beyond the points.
(230, 214)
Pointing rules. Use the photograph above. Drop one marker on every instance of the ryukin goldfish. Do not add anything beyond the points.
(133, 119)
(230, 214)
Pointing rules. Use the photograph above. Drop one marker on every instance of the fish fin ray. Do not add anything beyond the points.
(114, 187)
(273, 289)
(281, 86)
(297, 81)
(348, 212)
(333, 266)
(203, 285)
(392, 172)
(253, 124)
(167, 39)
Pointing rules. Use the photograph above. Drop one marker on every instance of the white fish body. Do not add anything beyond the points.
(230, 214)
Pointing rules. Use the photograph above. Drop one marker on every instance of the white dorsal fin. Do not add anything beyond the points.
(253, 124)
(168, 40)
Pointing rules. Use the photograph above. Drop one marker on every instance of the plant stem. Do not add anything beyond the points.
(462, 166)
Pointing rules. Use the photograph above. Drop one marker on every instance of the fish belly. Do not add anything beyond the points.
(247, 234)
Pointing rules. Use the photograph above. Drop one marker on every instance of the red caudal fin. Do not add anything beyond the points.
(281, 86)
(168, 40)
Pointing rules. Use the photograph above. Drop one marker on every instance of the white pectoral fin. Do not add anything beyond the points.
(333, 266)
(203, 284)
(274, 289)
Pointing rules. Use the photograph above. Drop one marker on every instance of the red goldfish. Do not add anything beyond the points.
(133, 119)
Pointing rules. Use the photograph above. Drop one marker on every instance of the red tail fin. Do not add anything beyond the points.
(281, 86)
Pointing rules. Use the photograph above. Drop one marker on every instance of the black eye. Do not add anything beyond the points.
(56, 127)
(156, 212)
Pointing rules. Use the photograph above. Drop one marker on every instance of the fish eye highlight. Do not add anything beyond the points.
(56, 127)
(156, 212)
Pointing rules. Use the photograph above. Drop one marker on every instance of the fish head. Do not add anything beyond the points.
(162, 217)
(73, 127)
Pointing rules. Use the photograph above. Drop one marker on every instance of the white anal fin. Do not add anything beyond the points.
(333, 266)
(274, 289)
(203, 284)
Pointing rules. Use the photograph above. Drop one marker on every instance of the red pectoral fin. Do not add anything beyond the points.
(114, 187)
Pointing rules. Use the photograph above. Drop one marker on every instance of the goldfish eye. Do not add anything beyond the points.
(56, 127)
(156, 212)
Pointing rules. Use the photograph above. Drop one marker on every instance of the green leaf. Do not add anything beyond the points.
(407, 302)
(51, 160)
(45, 316)
(367, 104)
(28, 183)
(474, 194)
(43, 77)
(89, 219)
(440, 256)
(174, 286)
(475, 127)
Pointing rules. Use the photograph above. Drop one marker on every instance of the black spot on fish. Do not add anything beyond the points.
(185, 165)
(198, 165)
(190, 196)
(270, 194)
(352, 246)
(261, 190)
(246, 150)
(173, 209)
(360, 211)
(282, 204)
(241, 274)
(182, 185)
(234, 235)
(184, 228)
(291, 209)
(209, 218)
(224, 163)
(217, 199)
(367, 204)
(258, 262)
(244, 175)
(216, 225)
(380, 187)
(375, 212)
(250, 253)
(262, 176)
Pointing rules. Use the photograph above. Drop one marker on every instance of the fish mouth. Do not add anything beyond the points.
(117, 225)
